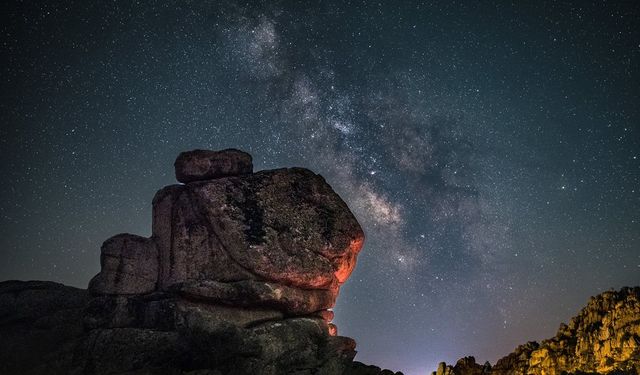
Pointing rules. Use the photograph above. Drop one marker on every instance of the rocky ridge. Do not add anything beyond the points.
(604, 338)
(238, 277)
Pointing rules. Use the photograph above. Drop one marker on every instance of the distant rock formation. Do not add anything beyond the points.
(604, 338)
(238, 277)
(466, 365)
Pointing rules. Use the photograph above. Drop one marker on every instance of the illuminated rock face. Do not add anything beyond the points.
(603, 338)
(285, 226)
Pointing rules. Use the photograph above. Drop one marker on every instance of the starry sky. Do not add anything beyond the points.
(491, 151)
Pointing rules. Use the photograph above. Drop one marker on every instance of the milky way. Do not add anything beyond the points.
(491, 152)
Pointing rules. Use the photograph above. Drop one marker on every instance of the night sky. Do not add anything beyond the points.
(490, 151)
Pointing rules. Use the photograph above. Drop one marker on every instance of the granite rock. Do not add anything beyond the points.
(285, 226)
(200, 165)
(129, 265)
(252, 293)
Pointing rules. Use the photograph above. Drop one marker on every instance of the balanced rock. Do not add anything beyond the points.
(200, 165)
(238, 277)
(280, 239)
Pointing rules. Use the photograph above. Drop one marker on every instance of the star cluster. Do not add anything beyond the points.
(490, 151)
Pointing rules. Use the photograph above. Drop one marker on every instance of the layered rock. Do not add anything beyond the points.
(238, 277)
(604, 338)
(279, 239)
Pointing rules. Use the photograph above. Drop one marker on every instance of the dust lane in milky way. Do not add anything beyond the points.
(490, 151)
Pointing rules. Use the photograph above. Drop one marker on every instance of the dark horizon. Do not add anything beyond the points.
(491, 152)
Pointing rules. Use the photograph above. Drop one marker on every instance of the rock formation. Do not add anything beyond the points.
(466, 365)
(238, 277)
(279, 240)
(604, 338)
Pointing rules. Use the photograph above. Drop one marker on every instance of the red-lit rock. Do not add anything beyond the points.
(285, 226)
(251, 293)
(326, 315)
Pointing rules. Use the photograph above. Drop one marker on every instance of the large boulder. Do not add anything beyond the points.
(284, 226)
(129, 266)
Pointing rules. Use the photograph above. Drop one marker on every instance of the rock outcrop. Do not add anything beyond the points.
(466, 365)
(604, 338)
(273, 239)
(238, 277)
